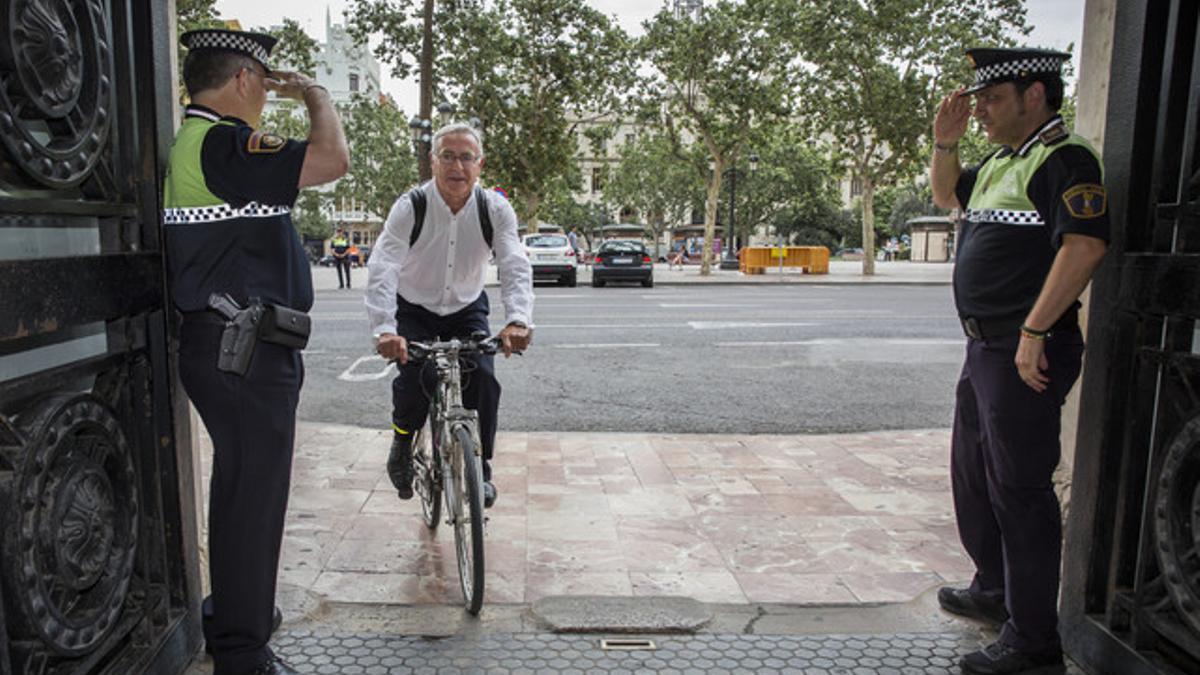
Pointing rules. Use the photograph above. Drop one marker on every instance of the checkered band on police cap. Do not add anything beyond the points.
(255, 45)
(993, 66)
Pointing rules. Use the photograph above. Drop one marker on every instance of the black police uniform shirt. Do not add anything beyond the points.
(1018, 204)
(227, 214)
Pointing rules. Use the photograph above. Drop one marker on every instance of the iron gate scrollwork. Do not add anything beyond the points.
(71, 548)
(99, 568)
(56, 93)
(1131, 581)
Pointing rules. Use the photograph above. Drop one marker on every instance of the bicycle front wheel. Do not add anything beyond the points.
(464, 498)
(428, 481)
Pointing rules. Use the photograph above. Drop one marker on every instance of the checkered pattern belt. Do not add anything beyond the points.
(218, 212)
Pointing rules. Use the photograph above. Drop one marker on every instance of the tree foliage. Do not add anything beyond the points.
(296, 50)
(529, 72)
(532, 72)
(381, 164)
(655, 182)
(309, 215)
(877, 69)
(793, 176)
(721, 76)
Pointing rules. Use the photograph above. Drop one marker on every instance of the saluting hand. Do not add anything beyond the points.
(288, 84)
(1032, 363)
(515, 339)
(950, 121)
(392, 347)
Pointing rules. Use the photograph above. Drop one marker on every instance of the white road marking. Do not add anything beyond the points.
(706, 305)
(608, 345)
(349, 375)
(723, 325)
(780, 343)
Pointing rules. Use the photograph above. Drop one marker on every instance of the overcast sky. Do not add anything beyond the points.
(1056, 24)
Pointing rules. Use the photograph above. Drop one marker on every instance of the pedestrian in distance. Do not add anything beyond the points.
(340, 244)
(1035, 228)
(237, 267)
(425, 281)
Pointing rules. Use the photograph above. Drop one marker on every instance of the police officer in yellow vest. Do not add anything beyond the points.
(341, 256)
(236, 267)
(1035, 228)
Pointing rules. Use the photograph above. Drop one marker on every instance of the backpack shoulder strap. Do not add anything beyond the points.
(485, 218)
(417, 195)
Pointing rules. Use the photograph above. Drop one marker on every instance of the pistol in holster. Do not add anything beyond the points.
(240, 334)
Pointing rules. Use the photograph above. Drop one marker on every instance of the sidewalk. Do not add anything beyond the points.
(840, 272)
(806, 554)
(798, 520)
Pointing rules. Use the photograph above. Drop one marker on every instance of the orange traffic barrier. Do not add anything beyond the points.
(810, 259)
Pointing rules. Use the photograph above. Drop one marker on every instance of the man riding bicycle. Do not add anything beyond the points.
(425, 281)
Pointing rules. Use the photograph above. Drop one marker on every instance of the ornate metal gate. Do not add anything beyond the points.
(97, 513)
(1131, 590)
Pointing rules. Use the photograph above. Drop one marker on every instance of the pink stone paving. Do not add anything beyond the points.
(832, 519)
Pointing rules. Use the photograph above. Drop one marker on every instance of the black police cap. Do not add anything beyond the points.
(257, 46)
(996, 66)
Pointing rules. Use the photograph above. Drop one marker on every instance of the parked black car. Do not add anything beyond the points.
(621, 260)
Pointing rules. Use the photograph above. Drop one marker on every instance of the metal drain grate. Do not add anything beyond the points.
(627, 645)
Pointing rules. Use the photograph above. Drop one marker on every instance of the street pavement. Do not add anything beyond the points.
(685, 358)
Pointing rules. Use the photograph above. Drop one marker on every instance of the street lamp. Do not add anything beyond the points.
(445, 111)
(420, 129)
(729, 259)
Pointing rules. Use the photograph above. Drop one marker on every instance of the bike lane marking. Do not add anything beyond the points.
(349, 374)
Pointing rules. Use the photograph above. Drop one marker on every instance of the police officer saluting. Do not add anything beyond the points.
(1036, 226)
(241, 282)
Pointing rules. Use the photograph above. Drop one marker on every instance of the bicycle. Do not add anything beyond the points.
(447, 459)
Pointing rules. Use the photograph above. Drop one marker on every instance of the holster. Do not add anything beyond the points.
(239, 337)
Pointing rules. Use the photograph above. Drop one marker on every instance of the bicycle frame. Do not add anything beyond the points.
(447, 409)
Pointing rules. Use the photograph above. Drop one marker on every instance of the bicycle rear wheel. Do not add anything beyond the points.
(428, 480)
(464, 498)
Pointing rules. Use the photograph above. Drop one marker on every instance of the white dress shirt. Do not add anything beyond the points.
(446, 268)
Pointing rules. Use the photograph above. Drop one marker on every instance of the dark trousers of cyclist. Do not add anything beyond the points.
(1004, 449)
(481, 391)
(343, 265)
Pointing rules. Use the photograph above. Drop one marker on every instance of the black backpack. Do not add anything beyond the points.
(417, 195)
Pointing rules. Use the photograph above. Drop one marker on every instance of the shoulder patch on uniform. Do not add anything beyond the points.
(1088, 200)
(1053, 135)
(262, 142)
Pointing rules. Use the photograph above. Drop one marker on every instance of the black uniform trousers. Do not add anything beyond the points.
(343, 267)
(413, 386)
(1005, 448)
(252, 422)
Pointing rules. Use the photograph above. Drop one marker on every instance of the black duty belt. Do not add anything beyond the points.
(986, 329)
(203, 316)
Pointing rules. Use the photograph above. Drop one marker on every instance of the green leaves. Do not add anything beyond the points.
(382, 163)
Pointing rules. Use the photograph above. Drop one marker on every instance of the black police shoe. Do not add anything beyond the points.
(400, 465)
(206, 617)
(275, 666)
(1001, 659)
(960, 601)
(489, 494)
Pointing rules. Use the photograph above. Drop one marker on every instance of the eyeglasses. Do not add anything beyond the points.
(261, 73)
(466, 158)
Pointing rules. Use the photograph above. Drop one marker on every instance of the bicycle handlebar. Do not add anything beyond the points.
(421, 351)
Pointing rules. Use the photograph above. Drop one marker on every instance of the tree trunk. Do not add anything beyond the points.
(425, 111)
(533, 203)
(868, 209)
(710, 217)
